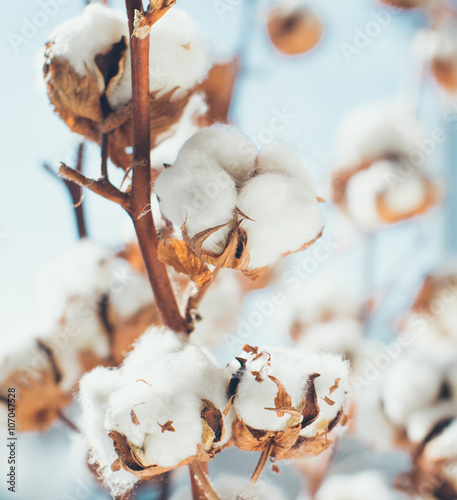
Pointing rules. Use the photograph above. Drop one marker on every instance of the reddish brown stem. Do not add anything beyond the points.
(140, 208)
(261, 464)
(75, 192)
(202, 489)
(69, 423)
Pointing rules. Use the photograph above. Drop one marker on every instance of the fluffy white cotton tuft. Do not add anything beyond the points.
(422, 422)
(178, 59)
(285, 215)
(80, 39)
(410, 384)
(293, 370)
(197, 191)
(235, 153)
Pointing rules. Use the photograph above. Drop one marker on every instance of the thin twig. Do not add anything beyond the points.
(202, 489)
(75, 192)
(195, 299)
(140, 194)
(261, 463)
(102, 187)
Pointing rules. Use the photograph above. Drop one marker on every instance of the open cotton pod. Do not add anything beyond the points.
(236, 207)
(293, 28)
(379, 176)
(166, 406)
(432, 319)
(287, 403)
(88, 75)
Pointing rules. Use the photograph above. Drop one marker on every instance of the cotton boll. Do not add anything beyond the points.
(410, 384)
(356, 487)
(376, 130)
(278, 158)
(80, 39)
(234, 152)
(196, 191)
(218, 310)
(285, 215)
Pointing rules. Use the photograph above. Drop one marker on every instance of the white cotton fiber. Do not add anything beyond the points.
(361, 486)
(410, 384)
(178, 59)
(285, 215)
(444, 446)
(277, 157)
(80, 39)
(407, 195)
(95, 388)
(376, 130)
(197, 191)
(234, 152)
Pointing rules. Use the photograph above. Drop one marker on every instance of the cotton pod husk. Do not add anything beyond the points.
(300, 429)
(293, 29)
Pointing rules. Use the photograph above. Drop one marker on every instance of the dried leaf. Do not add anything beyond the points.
(177, 254)
(167, 426)
(291, 410)
(134, 418)
(218, 89)
(213, 417)
(258, 376)
(335, 386)
(249, 349)
(275, 469)
(328, 401)
(141, 380)
(283, 398)
(311, 409)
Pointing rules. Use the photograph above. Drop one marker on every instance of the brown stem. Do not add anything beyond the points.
(202, 489)
(261, 463)
(140, 209)
(75, 192)
(165, 486)
(102, 187)
(195, 299)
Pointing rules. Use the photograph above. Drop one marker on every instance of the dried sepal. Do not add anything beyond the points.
(177, 254)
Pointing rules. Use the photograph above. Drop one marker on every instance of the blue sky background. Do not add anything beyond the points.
(36, 223)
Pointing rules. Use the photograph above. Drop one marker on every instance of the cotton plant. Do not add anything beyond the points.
(87, 71)
(379, 174)
(238, 207)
